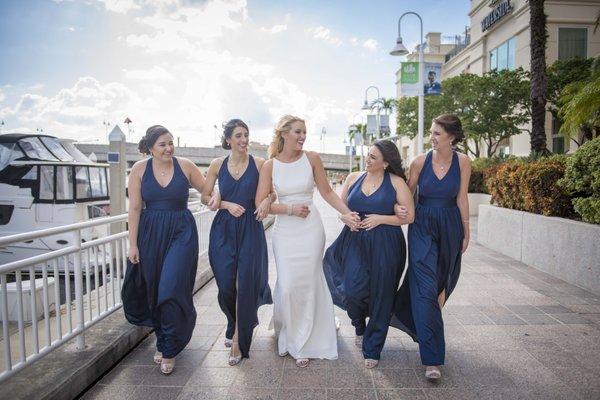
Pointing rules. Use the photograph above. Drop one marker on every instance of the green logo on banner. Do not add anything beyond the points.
(410, 72)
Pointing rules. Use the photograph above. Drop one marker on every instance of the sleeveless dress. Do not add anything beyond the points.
(434, 253)
(158, 291)
(363, 269)
(303, 315)
(238, 255)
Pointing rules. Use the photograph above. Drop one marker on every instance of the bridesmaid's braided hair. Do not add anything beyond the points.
(391, 155)
(228, 131)
(151, 136)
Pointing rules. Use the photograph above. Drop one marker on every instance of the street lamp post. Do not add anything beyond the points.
(366, 106)
(401, 50)
(323, 133)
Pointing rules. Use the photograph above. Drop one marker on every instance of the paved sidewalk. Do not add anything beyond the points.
(512, 332)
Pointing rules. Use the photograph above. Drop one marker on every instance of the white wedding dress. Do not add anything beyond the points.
(303, 315)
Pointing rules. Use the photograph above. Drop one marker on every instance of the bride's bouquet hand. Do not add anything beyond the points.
(352, 220)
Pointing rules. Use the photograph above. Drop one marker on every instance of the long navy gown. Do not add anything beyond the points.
(363, 268)
(158, 291)
(434, 257)
(238, 256)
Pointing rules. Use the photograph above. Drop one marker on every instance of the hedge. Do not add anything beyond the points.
(478, 170)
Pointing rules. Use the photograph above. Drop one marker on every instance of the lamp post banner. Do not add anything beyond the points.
(432, 78)
(384, 125)
(372, 125)
(409, 78)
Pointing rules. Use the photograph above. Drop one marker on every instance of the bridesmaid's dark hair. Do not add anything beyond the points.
(391, 155)
(152, 135)
(228, 131)
(451, 124)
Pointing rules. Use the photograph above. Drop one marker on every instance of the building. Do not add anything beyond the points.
(499, 38)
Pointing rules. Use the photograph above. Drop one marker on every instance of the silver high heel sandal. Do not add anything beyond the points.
(157, 357)
(234, 360)
(167, 365)
(433, 373)
(228, 342)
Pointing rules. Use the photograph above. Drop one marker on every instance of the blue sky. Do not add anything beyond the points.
(67, 66)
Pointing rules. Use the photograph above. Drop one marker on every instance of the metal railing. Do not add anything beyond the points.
(94, 269)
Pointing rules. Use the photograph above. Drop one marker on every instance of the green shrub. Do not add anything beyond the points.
(582, 180)
(504, 182)
(478, 169)
(541, 192)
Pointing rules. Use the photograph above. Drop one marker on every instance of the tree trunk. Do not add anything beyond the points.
(537, 21)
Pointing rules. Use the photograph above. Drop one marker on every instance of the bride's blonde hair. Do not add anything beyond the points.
(283, 125)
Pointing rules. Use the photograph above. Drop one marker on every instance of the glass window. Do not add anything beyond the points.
(56, 149)
(503, 56)
(512, 51)
(46, 182)
(6, 212)
(8, 153)
(572, 42)
(82, 180)
(558, 145)
(64, 183)
(35, 149)
(31, 175)
(494, 59)
(98, 182)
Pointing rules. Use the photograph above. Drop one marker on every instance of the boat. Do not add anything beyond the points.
(47, 182)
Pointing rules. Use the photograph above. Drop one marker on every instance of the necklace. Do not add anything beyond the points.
(442, 166)
(236, 167)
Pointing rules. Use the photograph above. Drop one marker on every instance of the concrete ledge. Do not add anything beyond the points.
(475, 199)
(563, 248)
(67, 372)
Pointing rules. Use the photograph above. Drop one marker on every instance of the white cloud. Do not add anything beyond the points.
(2, 96)
(324, 34)
(354, 41)
(274, 29)
(370, 44)
(156, 73)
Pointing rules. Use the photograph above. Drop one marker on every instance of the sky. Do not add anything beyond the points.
(75, 68)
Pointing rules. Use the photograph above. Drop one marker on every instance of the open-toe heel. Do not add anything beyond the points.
(157, 357)
(302, 362)
(370, 363)
(234, 360)
(433, 373)
(167, 365)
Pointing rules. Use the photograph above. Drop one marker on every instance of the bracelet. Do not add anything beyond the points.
(289, 209)
(465, 220)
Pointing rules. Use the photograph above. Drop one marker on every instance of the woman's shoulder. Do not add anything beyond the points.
(259, 161)
(139, 166)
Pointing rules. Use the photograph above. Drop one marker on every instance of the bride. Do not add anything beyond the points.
(303, 314)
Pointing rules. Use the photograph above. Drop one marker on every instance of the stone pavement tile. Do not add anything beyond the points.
(216, 359)
(112, 392)
(179, 377)
(265, 343)
(571, 318)
(155, 393)
(555, 309)
(200, 393)
(401, 394)
(208, 329)
(495, 310)
(300, 378)
(315, 363)
(221, 377)
(585, 308)
(452, 377)
(127, 375)
(252, 394)
(201, 343)
(190, 358)
(263, 378)
(394, 343)
(348, 360)
(395, 378)
(549, 393)
(462, 394)
(302, 394)
(351, 394)
(587, 394)
(510, 319)
(578, 378)
(524, 309)
(455, 309)
(349, 378)
(139, 356)
(474, 319)
(394, 359)
(539, 319)
(262, 359)
(486, 377)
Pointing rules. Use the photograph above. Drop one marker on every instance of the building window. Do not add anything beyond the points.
(572, 42)
(503, 56)
(558, 140)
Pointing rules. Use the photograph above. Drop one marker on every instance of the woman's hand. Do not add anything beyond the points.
(263, 209)
(465, 244)
(134, 254)
(215, 202)
(300, 210)
(234, 209)
(352, 220)
(400, 211)
(371, 221)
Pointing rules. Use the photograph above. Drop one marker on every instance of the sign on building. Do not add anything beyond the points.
(503, 8)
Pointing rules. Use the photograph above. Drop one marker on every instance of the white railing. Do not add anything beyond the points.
(97, 268)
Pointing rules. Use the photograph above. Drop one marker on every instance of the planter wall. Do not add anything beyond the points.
(476, 199)
(563, 248)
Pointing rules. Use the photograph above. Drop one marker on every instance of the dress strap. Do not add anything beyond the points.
(357, 181)
(177, 168)
(223, 165)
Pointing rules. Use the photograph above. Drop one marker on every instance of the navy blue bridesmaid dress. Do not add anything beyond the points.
(434, 257)
(363, 268)
(158, 291)
(238, 256)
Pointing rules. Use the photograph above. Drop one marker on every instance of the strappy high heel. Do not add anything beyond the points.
(433, 373)
(157, 357)
(234, 360)
(371, 363)
(228, 342)
(302, 362)
(167, 365)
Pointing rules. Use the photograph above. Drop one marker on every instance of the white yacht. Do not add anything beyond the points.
(46, 182)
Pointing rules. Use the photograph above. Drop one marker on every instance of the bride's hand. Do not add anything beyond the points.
(300, 210)
(263, 209)
(352, 220)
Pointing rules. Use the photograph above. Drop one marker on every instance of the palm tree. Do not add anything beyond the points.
(356, 128)
(537, 22)
(388, 105)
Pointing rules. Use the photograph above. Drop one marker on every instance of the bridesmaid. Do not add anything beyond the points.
(436, 240)
(237, 245)
(363, 268)
(163, 246)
